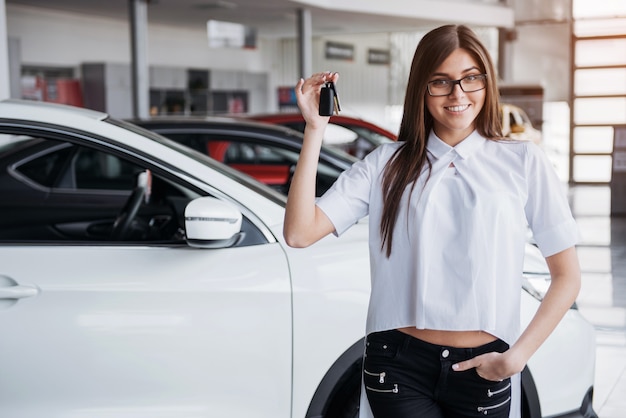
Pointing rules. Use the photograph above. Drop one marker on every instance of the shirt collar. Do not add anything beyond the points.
(464, 149)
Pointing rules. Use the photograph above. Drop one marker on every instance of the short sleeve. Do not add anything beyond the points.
(348, 199)
(547, 208)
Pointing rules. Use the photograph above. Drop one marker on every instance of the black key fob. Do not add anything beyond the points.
(329, 102)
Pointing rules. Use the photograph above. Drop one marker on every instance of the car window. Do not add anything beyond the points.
(250, 153)
(271, 163)
(95, 169)
(74, 167)
(8, 142)
(46, 169)
(298, 126)
(59, 191)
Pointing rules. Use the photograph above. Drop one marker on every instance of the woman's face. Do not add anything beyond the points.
(455, 114)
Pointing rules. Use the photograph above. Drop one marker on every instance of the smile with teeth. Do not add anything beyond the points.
(457, 108)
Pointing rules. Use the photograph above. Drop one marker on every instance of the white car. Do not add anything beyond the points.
(139, 278)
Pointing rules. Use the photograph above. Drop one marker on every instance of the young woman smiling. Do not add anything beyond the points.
(448, 207)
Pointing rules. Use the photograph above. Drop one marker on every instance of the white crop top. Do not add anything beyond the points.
(458, 244)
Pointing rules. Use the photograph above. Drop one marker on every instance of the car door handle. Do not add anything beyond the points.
(18, 292)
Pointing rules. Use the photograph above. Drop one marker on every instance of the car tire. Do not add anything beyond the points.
(346, 400)
(531, 407)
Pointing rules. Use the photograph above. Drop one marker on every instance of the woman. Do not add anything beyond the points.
(448, 208)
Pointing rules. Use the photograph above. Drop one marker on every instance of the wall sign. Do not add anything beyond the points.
(338, 51)
(378, 56)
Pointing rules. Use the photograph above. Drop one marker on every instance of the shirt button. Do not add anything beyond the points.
(445, 353)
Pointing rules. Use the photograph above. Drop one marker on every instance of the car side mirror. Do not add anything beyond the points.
(212, 223)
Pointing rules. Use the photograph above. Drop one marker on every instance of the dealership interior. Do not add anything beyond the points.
(563, 62)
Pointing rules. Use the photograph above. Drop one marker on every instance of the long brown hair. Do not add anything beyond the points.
(408, 161)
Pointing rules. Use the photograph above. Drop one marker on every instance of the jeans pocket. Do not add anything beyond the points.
(490, 409)
(498, 397)
(377, 382)
(481, 379)
(378, 345)
(380, 359)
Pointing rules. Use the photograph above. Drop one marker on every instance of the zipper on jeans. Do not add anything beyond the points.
(485, 409)
(394, 390)
(490, 393)
(381, 375)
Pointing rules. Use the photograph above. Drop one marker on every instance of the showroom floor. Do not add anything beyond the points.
(602, 300)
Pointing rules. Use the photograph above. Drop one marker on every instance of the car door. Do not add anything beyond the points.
(145, 327)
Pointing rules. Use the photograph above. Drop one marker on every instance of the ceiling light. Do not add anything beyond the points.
(218, 4)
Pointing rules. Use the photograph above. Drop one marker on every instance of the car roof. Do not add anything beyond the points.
(217, 122)
(338, 119)
(46, 112)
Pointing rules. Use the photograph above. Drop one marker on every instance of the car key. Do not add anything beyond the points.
(329, 101)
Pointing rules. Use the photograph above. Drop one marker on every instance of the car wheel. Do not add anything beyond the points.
(345, 402)
(530, 399)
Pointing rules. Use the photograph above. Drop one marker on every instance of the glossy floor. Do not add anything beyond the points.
(602, 300)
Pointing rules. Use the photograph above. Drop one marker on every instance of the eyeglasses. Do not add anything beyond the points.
(468, 84)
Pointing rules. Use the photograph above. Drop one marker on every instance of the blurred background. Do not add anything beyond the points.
(563, 62)
(561, 67)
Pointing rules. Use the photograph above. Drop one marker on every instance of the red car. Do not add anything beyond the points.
(352, 135)
(358, 137)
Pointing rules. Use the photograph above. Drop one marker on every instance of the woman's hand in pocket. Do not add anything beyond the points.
(492, 366)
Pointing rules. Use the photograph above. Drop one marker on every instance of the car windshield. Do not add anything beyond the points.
(236, 175)
(339, 154)
(374, 137)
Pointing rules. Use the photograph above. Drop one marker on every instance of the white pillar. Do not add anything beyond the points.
(506, 37)
(139, 58)
(5, 89)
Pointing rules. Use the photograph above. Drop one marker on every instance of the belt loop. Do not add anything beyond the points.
(406, 342)
(469, 353)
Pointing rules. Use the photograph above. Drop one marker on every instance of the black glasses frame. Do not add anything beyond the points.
(455, 82)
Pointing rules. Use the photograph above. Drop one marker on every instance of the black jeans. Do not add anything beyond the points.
(407, 377)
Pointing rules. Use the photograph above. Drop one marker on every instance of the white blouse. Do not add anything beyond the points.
(458, 242)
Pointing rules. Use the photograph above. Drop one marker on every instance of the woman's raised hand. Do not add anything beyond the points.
(308, 97)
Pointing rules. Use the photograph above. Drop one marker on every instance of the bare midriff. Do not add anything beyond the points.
(458, 339)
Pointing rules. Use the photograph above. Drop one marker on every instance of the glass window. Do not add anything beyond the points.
(298, 126)
(593, 139)
(98, 170)
(600, 52)
(8, 142)
(269, 163)
(595, 8)
(592, 168)
(48, 169)
(597, 82)
(600, 111)
(599, 27)
(68, 166)
(90, 190)
(599, 85)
